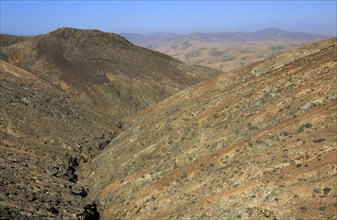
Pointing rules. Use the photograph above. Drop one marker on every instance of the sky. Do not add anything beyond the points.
(37, 17)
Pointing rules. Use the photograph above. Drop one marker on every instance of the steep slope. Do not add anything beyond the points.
(103, 70)
(258, 142)
(226, 51)
(62, 97)
(44, 136)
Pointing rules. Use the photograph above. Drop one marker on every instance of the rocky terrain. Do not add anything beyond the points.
(224, 51)
(63, 95)
(85, 134)
(45, 135)
(255, 143)
(103, 70)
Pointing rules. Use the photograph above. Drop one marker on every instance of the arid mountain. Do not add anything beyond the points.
(149, 40)
(270, 34)
(45, 134)
(103, 69)
(225, 51)
(63, 95)
(258, 142)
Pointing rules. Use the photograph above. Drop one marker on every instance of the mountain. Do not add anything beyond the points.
(149, 40)
(63, 95)
(253, 143)
(226, 51)
(270, 34)
(103, 70)
(94, 127)
(277, 34)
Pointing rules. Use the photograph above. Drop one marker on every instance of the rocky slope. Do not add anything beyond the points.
(44, 136)
(255, 143)
(62, 98)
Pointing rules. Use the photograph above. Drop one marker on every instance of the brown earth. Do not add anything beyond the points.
(63, 95)
(45, 134)
(255, 143)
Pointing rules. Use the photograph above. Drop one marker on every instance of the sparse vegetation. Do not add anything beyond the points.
(221, 149)
(320, 140)
(304, 209)
(326, 190)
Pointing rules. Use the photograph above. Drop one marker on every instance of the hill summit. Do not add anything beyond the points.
(103, 69)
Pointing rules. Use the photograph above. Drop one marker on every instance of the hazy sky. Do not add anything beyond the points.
(36, 17)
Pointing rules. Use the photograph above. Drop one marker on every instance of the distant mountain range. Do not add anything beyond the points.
(149, 39)
(226, 50)
(270, 34)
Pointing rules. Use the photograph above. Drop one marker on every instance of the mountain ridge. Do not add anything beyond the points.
(259, 35)
(228, 50)
(91, 63)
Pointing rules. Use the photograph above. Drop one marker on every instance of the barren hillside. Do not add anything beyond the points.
(62, 97)
(257, 142)
(103, 70)
(45, 134)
